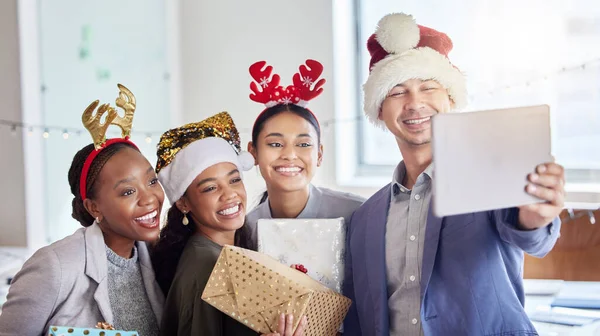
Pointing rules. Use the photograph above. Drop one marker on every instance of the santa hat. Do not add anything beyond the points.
(185, 152)
(402, 50)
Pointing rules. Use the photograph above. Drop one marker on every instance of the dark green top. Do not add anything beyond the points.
(185, 312)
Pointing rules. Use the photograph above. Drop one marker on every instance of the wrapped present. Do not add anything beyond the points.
(316, 245)
(102, 329)
(256, 289)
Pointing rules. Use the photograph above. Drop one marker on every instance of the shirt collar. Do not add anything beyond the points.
(399, 174)
(310, 209)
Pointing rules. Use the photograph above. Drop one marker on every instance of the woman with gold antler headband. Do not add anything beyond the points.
(286, 143)
(200, 166)
(102, 272)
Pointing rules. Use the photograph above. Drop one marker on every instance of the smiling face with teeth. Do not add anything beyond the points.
(288, 152)
(128, 200)
(216, 201)
(408, 109)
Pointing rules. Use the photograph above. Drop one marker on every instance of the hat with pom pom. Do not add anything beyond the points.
(185, 152)
(400, 50)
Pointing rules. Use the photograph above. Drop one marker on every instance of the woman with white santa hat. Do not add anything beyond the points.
(200, 166)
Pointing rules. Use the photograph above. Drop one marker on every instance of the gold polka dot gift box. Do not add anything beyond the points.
(101, 329)
(255, 289)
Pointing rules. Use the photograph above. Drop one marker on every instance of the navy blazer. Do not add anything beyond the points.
(471, 281)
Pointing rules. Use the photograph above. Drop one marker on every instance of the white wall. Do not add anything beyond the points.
(220, 39)
(12, 180)
(72, 82)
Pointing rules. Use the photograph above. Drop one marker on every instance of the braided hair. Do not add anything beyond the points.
(79, 211)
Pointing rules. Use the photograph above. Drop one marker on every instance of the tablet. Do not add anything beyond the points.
(482, 159)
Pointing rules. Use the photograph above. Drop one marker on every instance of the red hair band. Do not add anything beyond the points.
(306, 86)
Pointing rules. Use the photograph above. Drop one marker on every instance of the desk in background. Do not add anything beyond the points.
(540, 294)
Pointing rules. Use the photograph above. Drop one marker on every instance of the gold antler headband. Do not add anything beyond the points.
(97, 129)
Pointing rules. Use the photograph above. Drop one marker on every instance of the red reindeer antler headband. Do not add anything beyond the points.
(266, 89)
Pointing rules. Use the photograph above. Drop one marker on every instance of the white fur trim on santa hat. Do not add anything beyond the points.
(397, 33)
(420, 63)
(192, 160)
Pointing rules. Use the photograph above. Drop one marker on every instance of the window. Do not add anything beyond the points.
(512, 56)
(83, 59)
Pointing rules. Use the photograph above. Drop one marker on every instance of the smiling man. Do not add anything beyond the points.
(407, 271)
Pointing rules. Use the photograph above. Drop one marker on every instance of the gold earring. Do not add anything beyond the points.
(185, 220)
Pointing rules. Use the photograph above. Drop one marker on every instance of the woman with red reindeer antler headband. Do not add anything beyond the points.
(286, 144)
(102, 272)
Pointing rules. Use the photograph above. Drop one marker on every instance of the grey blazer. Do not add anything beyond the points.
(65, 284)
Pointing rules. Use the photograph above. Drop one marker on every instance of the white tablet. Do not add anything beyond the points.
(482, 159)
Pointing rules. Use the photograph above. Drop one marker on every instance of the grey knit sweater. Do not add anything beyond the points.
(128, 299)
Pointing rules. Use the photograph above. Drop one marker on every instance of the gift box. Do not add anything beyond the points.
(69, 331)
(316, 244)
(255, 289)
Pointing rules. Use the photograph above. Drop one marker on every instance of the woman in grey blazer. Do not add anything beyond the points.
(102, 272)
(286, 144)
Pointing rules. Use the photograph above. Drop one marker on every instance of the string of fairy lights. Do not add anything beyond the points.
(591, 64)
(47, 131)
(66, 132)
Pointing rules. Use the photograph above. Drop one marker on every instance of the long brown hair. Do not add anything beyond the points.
(173, 238)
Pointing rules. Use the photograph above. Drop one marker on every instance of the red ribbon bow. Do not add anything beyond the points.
(300, 268)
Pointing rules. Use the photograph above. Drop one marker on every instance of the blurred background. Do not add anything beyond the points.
(185, 60)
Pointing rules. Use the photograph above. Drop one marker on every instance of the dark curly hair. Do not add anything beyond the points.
(172, 240)
(79, 211)
(276, 110)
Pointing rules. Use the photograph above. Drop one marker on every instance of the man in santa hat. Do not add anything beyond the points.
(407, 271)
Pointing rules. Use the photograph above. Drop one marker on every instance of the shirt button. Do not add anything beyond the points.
(412, 278)
(417, 197)
(413, 238)
(414, 321)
